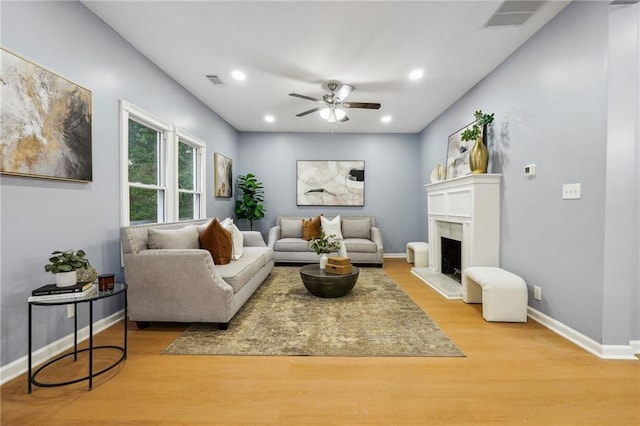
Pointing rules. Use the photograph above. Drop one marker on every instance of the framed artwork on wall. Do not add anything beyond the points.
(330, 183)
(223, 175)
(458, 154)
(45, 123)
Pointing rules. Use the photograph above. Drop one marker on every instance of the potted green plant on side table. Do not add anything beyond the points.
(65, 265)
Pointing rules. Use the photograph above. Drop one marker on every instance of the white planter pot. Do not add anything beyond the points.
(66, 279)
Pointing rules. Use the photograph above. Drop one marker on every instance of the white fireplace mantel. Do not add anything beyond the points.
(467, 209)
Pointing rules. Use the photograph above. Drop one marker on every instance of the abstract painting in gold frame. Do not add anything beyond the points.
(223, 172)
(45, 123)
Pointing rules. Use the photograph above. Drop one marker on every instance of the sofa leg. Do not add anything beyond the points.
(223, 325)
(142, 324)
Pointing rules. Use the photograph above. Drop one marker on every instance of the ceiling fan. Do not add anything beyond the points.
(333, 103)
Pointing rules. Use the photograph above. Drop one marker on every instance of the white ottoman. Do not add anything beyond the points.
(503, 294)
(418, 254)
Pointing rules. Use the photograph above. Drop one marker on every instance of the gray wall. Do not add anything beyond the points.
(392, 185)
(38, 215)
(550, 102)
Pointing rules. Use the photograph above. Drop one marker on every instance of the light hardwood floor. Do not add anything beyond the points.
(512, 374)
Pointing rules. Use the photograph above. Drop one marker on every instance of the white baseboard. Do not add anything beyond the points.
(21, 365)
(635, 344)
(586, 343)
(394, 255)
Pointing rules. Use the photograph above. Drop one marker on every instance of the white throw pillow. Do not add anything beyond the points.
(236, 237)
(331, 227)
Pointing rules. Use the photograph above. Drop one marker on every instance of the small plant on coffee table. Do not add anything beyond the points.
(324, 244)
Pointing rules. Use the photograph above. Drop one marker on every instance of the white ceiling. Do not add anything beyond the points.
(285, 47)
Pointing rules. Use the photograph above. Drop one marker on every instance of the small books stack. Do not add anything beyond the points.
(338, 265)
(52, 292)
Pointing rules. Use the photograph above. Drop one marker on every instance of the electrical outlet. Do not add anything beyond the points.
(537, 293)
(571, 191)
(71, 311)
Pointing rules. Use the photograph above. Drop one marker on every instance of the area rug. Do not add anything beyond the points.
(446, 286)
(282, 318)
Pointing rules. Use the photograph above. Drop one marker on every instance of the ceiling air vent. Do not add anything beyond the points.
(215, 79)
(513, 12)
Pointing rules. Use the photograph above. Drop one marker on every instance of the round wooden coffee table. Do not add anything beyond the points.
(321, 284)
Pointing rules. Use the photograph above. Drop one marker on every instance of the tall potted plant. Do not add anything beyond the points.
(479, 156)
(65, 264)
(250, 197)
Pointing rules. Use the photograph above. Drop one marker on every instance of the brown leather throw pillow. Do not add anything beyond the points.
(218, 242)
(311, 228)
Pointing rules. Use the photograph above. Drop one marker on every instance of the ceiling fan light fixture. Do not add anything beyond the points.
(340, 114)
(324, 113)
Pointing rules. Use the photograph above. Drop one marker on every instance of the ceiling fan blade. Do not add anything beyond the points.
(309, 98)
(344, 91)
(302, 114)
(366, 105)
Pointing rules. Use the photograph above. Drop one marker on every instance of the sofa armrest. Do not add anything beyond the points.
(274, 235)
(376, 237)
(166, 283)
(253, 239)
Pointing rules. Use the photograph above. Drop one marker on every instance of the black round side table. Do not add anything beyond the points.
(90, 298)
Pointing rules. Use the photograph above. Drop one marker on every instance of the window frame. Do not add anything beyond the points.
(168, 165)
(200, 173)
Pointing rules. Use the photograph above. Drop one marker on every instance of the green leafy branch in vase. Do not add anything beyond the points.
(324, 244)
(472, 133)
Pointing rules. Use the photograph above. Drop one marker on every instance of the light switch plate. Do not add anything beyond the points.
(571, 191)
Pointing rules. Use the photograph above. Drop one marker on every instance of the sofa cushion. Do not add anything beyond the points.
(218, 242)
(356, 227)
(311, 228)
(238, 272)
(360, 245)
(236, 237)
(331, 227)
(291, 244)
(183, 238)
(290, 228)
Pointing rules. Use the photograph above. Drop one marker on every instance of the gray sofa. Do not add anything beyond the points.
(362, 238)
(184, 285)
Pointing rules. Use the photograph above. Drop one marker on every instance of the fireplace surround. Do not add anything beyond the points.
(465, 209)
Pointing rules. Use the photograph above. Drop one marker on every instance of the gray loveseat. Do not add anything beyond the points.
(362, 238)
(184, 285)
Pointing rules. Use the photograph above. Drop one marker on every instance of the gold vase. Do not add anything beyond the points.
(479, 157)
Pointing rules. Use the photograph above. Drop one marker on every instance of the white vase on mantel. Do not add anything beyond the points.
(66, 279)
(323, 261)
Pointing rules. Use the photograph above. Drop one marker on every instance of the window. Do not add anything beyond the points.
(162, 170)
(190, 177)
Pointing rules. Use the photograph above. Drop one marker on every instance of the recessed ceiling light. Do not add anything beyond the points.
(386, 119)
(416, 74)
(269, 118)
(238, 75)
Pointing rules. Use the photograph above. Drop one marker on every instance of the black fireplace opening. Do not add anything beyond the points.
(451, 264)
